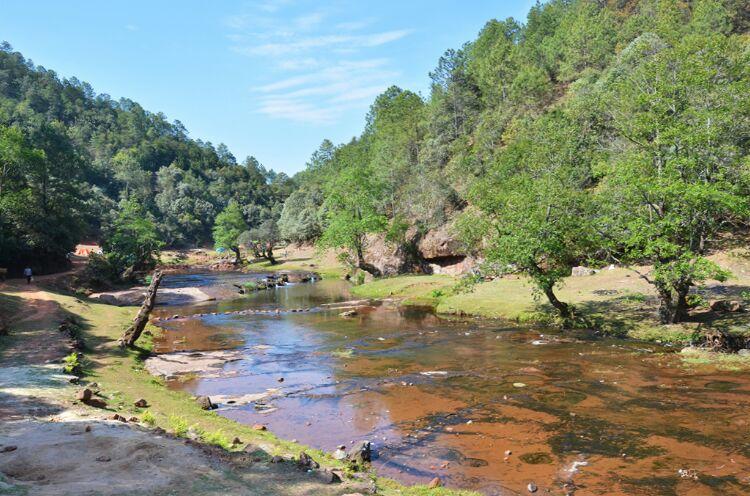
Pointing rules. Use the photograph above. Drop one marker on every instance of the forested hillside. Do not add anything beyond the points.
(71, 161)
(595, 132)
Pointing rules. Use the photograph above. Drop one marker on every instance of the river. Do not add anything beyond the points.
(482, 404)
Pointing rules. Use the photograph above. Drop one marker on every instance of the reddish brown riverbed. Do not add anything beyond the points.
(449, 398)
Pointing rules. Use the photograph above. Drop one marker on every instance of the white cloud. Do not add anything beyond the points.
(320, 67)
(131, 27)
(309, 21)
(343, 42)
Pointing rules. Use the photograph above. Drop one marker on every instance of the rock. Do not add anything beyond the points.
(436, 482)
(103, 458)
(531, 487)
(744, 352)
(360, 453)
(84, 395)
(439, 243)
(277, 459)
(87, 429)
(97, 403)
(339, 454)
(141, 403)
(118, 417)
(8, 449)
(280, 379)
(306, 462)
(134, 419)
(236, 440)
(725, 306)
(519, 385)
(582, 271)
(205, 403)
(327, 476)
(259, 427)
(348, 313)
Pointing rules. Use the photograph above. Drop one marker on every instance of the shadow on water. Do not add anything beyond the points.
(481, 404)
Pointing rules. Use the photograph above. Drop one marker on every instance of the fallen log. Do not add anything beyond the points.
(133, 332)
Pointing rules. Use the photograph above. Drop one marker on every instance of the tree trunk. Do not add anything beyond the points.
(563, 309)
(237, 255)
(667, 307)
(133, 332)
(269, 254)
(673, 306)
(681, 309)
(361, 264)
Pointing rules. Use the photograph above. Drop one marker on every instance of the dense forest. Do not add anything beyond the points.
(595, 132)
(77, 166)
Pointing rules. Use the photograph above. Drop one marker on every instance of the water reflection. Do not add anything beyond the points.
(484, 406)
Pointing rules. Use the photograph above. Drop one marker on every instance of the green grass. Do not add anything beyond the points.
(617, 302)
(325, 271)
(413, 289)
(217, 438)
(148, 418)
(721, 361)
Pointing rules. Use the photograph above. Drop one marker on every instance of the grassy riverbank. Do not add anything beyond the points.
(122, 379)
(618, 300)
(293, 257)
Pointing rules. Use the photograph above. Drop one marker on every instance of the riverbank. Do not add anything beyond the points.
(619, 301)
(40, 414)
(293, 257)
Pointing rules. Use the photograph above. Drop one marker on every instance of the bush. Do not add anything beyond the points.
(178, 425)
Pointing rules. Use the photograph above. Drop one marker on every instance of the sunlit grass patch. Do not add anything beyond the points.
(696, 357)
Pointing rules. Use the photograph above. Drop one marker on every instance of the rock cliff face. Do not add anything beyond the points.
(443, 254)
(436, 252)
(391, 259)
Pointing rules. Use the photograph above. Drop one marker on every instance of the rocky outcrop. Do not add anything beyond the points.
(442, 253)
(435, 252)
(391, 258)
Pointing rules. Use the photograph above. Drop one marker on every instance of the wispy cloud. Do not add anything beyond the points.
(322, 66)
(348, 42)
(322, 96)
(131, 27)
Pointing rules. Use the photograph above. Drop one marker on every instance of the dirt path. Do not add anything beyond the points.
(52, 445)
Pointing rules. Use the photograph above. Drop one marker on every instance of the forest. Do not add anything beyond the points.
(596, 132)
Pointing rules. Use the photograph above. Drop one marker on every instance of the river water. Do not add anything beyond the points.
(481, 404)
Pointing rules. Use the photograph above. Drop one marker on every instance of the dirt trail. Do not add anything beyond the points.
(51, 445)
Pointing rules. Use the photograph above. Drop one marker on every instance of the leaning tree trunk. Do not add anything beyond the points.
(563, 309)
(361, 264)
(133, 332)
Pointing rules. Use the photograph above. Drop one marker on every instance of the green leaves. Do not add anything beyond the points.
(228, 227)
(132, 241)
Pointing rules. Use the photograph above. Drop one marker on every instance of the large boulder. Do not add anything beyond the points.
(443, 253)
(361, 453)
(391, 258)
(440, 243)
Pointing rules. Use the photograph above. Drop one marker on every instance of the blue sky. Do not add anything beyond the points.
(270, 78)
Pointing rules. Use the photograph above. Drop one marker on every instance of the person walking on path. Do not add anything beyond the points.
(27, 274)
